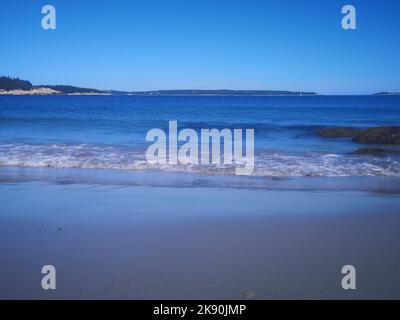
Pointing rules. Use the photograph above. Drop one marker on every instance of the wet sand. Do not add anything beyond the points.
(140, 242)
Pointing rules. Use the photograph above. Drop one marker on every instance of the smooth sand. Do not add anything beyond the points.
(138, 242)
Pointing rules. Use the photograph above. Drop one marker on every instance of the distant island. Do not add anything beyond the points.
(387, 94)
(222, 92)
(16, 86)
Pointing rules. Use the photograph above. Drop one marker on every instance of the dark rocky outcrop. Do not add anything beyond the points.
(337, 132)
(374, 152)
(379, 135)
(376, 135)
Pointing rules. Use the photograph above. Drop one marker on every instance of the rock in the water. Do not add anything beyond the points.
(337, 132)
(378, 135)
(374, 152)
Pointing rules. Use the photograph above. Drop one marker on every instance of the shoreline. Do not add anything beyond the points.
(150, 178)
(25, 93)
(8, 93)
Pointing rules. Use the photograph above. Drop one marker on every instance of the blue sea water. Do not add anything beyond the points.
(108, 132)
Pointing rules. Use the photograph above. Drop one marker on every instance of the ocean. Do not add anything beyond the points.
(109, 132)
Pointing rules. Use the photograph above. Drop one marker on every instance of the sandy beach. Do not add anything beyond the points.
(153, 242)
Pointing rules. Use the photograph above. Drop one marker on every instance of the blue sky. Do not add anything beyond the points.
(145, 45)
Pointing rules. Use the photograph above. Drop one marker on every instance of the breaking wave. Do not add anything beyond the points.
(267, 164)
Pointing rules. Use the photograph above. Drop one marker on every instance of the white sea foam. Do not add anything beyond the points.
(268, 164)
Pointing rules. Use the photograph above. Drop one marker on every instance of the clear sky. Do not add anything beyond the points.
(202, 44)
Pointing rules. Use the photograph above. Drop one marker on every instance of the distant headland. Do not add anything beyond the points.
(387, 94)
(16, 86)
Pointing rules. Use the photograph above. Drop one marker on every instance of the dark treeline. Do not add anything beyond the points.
(8, 83)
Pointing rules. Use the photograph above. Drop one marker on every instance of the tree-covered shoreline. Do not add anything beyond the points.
(8, 83)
